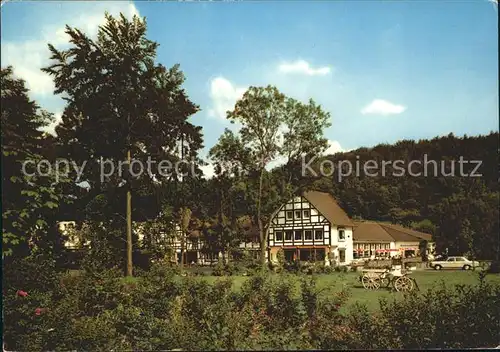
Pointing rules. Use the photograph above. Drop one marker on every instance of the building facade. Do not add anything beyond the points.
(311, 227)
(383, 240)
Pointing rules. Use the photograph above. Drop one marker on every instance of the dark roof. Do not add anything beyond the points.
(411, 232)
(328, 207)
(371, 231)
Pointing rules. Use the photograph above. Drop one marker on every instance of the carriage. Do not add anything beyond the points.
(394, 277)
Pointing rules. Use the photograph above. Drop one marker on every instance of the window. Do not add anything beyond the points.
(289, 255)
(451, 259)
(318, 234)
(308, 235)
(289, 215)
(288, 235)
(298, 214)
(278, 236)
(298, 235)
(342, 255)
(306, 255)
(341, 235)
(306, 214)
(319, 254)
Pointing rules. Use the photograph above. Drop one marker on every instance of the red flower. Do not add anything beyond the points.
(22, 293)
(39, 311)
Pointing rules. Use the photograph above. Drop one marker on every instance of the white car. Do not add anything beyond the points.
(454, 263)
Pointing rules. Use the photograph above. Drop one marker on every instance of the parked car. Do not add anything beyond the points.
(454, 263)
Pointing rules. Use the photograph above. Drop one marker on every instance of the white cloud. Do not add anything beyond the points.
(28, 57)
(382, 107)
(224, 96)
(303, 67)
(333, 147)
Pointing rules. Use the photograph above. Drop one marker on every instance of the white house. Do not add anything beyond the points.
(312, 227)
(380, 239)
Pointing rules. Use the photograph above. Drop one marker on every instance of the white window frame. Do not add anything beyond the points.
(276, 236)
(343, 232)
(340, 257)
(312, 234)
(301, 235)
(322, 234)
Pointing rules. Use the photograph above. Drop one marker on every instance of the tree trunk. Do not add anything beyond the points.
(262, 232)
(182, 250)
(129, 223)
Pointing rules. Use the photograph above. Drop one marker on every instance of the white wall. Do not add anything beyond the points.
(346, 244)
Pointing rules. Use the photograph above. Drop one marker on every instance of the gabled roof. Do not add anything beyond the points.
(328, 207)
(371, 231)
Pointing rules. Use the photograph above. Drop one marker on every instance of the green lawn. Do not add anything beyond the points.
(334, 282)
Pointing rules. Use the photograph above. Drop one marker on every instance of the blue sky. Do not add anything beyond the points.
(384, 70)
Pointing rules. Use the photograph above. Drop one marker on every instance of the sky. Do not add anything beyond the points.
(384, 70)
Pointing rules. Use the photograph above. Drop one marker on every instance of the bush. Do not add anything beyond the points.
(161, 310)
(342, 269)
(328, 269)
(451, 318)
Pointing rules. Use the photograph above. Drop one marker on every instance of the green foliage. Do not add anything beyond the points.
(28, 199)
(118, 100)
(161, 310)
(264, 113)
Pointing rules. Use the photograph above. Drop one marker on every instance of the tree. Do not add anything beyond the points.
(29, 196)
(423, 250)
(120, 103)
(184, 220)
(274, 126)
(230, 158)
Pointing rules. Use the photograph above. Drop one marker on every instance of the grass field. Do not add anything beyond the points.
(334, 282)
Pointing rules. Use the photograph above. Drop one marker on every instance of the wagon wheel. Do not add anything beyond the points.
(404, 284)
(370, 282)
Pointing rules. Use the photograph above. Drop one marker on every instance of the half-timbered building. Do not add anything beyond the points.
(311, 227)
